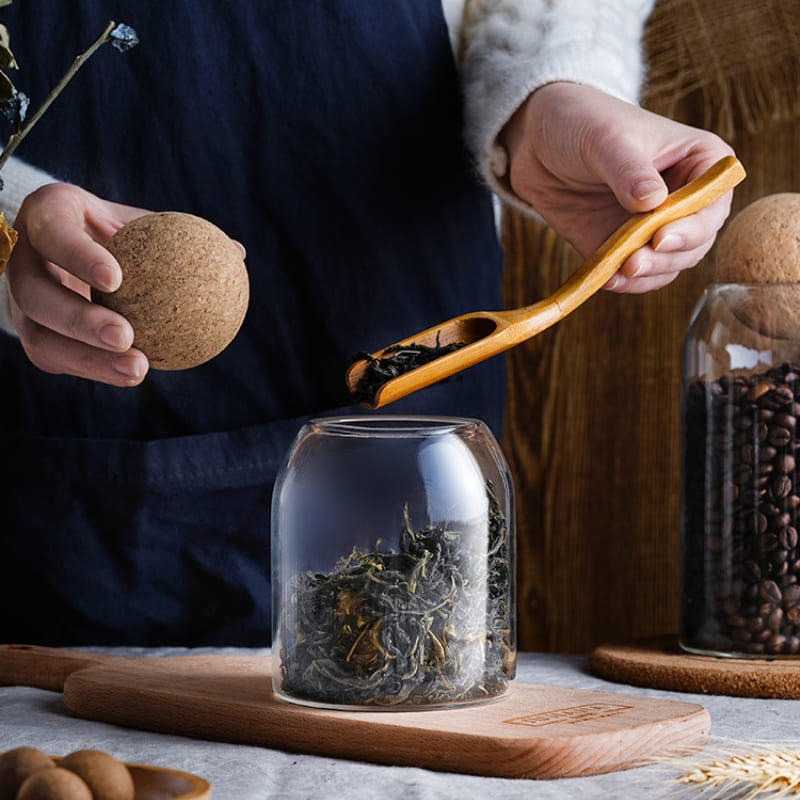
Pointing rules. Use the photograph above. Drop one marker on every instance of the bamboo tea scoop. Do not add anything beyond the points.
(482, 334)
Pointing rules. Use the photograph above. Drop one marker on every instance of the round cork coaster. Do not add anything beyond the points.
(659, 663)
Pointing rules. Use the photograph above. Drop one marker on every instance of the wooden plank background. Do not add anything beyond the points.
(593, 429)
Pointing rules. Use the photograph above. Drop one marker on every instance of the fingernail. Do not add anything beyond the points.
(128, 366)
(105, 277)
(642, 267)
(670, 243)
(114, 336)
(646, 189)
(613, 282)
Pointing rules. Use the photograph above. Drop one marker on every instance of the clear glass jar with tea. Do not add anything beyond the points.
(393, 565)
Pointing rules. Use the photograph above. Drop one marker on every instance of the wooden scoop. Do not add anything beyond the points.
(487, 333)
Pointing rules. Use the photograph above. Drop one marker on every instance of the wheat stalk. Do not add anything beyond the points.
(736, 770)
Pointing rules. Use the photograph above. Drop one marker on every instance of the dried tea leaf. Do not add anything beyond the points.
(8, 238)
(394, 361)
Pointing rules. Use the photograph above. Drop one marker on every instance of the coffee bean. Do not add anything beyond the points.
(775, 643)
(742, 422)
(767, 543)
(791, 596)
(730, 491)
(788, 537)
(775, 619)
(785, 463)
(751, 571)
(753, 624)
(779, 436)
(786, 420)
(770, 592)
(781, 485)
(741, 635)
(782, 394)
(741, 542)
(759, 389)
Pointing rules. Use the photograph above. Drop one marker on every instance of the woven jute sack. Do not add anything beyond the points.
(741, 56)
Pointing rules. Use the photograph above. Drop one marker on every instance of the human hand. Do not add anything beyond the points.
(57, 258)
(586, 161)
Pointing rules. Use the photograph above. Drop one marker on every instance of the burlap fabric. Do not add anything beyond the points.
(741, 56)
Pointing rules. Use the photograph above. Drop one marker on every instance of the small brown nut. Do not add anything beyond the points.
(54, 784)
(17, 765)
(108, 778)
(185, 288)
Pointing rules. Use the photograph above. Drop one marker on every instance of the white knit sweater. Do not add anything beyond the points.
(505, 49)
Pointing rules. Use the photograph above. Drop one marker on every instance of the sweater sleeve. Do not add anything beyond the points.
(509, 48)
(19, 180)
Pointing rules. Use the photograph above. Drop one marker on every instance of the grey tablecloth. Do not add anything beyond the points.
(37, 718)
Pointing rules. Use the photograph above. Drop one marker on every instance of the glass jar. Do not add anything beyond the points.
(741, 387)
(393, 565)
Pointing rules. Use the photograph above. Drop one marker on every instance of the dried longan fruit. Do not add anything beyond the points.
(54, 784)
(108, 778)
(17, 765)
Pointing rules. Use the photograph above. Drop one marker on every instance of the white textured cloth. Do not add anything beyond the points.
(37, 718)
(505, 49)
(512, 47)
(19, 180)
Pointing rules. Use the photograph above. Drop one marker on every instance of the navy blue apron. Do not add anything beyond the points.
(326, 136)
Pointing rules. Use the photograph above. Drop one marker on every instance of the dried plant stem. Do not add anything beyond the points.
(764, 771)
(735, 770)
(15, 138)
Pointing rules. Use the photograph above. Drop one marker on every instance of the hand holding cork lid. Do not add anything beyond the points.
(184, 287)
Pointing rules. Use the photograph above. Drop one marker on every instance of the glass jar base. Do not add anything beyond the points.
(389, 708)
(737, 655)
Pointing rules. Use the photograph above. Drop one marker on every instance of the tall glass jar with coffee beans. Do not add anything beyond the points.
(741, 472)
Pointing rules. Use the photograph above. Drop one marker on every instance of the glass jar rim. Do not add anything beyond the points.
(390, 425)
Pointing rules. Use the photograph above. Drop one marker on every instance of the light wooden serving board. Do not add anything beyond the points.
(532, 732)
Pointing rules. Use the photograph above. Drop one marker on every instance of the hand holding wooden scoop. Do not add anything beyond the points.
(470, 338)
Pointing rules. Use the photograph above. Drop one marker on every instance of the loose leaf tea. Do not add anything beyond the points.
(429, 624)
(394, 361)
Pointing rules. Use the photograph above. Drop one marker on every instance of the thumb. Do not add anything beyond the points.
(635, 182)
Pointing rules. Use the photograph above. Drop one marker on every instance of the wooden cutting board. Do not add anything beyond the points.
(532, 732)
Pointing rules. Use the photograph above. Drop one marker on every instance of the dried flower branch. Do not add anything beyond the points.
(14, 104)
(121, 36)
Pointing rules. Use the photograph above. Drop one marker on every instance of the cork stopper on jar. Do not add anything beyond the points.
(761, 245)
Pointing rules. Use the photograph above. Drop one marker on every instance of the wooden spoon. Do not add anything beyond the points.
(487, 333)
